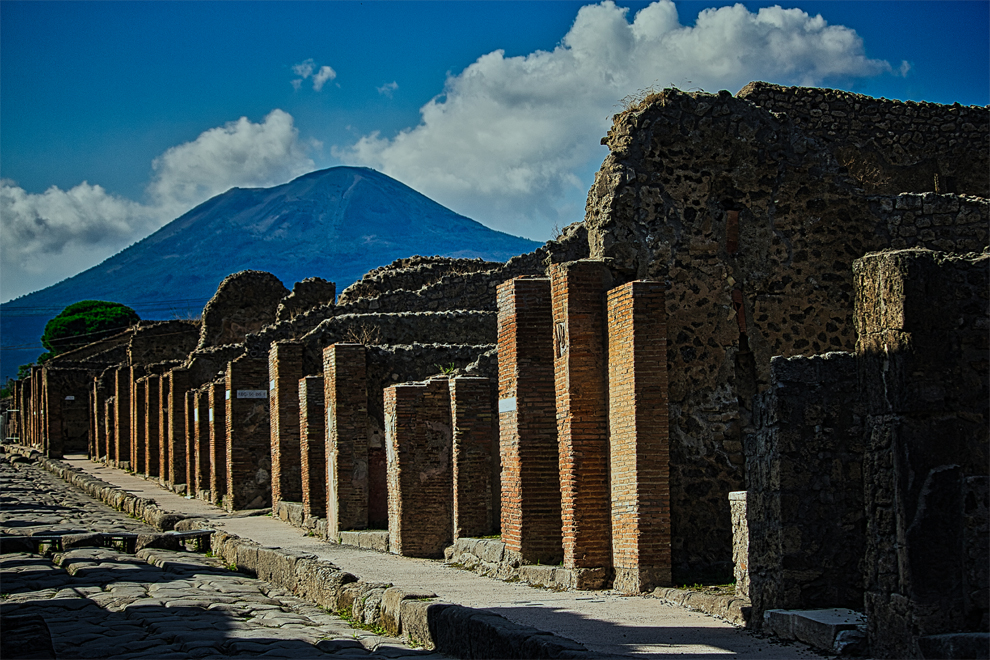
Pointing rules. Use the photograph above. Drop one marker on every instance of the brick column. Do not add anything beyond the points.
(201, 444)
(217, 421)
(163, 428)
(122, 415)
(52, 395)
(152, 425)
(419, 442)
(284, 371)
(527, 422)
(108, 424)
(139, 426)
(471, 418)
(346, 396)
(137, 431)
(578, 291)
(97, 400)
(249, 456)
(640, 447)
(313, 446)
(190, 438)
(178, 383)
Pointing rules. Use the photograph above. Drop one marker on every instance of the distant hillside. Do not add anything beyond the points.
(336, 224)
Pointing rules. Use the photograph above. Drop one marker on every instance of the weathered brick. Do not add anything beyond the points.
(578, 291)
(346, 396)
(473, 431)
(419, 444)
(313, 446)
(248, 435)
(284, 370)
(530, 484)
(639, 444)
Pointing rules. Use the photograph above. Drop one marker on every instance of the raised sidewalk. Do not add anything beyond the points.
(602, 623)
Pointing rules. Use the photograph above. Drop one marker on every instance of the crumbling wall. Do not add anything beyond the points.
(804, 504)
(889, 146)
(755, 225)
(412, 274)
(306, 294)
(244, 302)
(158, 342)
(922, 321)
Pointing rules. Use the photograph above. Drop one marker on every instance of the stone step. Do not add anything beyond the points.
(835, 630)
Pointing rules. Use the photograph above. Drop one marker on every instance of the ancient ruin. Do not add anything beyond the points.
(763, 353)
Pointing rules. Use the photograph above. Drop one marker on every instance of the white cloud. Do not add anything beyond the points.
(322, 76)
(509, 139)
(305, 70)
(241, 153)
(388, 89)
(49, 236)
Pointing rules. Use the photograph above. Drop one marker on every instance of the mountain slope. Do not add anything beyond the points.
(336, 224)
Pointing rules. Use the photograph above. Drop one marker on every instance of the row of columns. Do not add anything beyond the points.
(583, 424)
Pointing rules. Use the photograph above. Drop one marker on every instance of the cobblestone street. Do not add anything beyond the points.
(100, 602)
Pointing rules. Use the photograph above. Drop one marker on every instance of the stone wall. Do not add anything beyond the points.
(245, 302)
(755, 225)
(412, 274)
(890, 146)
(159, 342)
(804, 504)
(922, 321)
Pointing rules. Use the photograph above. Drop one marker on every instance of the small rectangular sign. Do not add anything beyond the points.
(228, 395)
(271, 384)
(252, 394)
(507, 405)
(70, 398)
(196, 416)
(211, 415)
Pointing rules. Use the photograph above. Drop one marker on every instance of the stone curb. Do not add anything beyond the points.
(452, 629)
(734, 609)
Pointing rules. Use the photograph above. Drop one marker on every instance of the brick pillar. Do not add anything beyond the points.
(52, 396)
(178, 383)
(137, 431)
(190, 441)
(284, 371)
(249, 456)
(471, 419)
(217, 421)
(346, 396)
(139, 426)
(110, 430)
(163, 428)
(527, 421)
(419, 443)
(122, 416)
(578, 291)
(98, 401)
(640, 447)
(201, 444)
(152, 425)
(313, 446)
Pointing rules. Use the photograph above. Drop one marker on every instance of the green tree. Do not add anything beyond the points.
(83, 323)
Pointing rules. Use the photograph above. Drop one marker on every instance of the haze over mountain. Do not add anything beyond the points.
(336, 224)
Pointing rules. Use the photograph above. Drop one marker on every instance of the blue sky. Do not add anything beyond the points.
(117, 117)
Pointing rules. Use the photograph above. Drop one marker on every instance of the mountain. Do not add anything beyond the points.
(336, 224)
